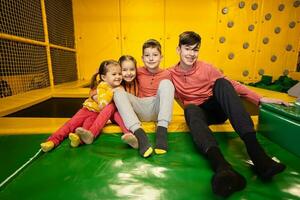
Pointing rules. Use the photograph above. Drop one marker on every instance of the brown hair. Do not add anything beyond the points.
(103, 69)
(132, 88)
(153, 44)
(189, 38)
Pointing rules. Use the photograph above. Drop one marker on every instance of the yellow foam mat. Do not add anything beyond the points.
(19, 125)
(75, 90)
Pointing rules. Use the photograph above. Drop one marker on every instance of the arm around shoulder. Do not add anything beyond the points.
(104, 94)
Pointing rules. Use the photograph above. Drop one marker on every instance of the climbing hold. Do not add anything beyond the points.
(268, 16)
(261, 72)
(242, 4)
(225, 10)
(265, 40)
(273, 58)
(251, 27)
(281, 7)
(222, 39)
(230, 24)
(254, 6)
(245, 73)
(289, 47)
(230, 56)
(245, 45)
(277, 30)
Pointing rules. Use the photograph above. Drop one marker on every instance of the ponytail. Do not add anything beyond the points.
(102, 71)
(94, 81)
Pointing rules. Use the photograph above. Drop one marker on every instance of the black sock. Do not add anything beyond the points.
(144, 144)
(225, 181)
(217, 159)
(161, 138)
(264, 165)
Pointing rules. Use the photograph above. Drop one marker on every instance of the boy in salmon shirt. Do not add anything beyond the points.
(210, 98)
(154, 101)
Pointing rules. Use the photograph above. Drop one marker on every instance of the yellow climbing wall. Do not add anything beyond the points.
(244, 39)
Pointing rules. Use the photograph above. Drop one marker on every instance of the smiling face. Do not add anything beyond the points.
(151, 58)
(188, 55)
(128, 70)
(113, 76)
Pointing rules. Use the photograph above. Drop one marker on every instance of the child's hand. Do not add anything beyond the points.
(95, 98)
(93, 92)
(93, 95)
(276, 101)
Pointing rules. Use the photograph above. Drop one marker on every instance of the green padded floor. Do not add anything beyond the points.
(109, 169)
(15, 150)
(281, 124)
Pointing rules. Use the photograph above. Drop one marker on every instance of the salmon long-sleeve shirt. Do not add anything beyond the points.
(195, 85)
(149, 82)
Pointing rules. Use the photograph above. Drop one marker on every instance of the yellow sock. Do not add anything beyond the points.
(160, 151)
(75, 140)
(47, 146)
(148, 152)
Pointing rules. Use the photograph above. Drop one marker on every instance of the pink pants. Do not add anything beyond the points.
(89, 120)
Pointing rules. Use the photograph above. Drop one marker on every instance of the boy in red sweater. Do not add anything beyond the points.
(210, 98)
(154, 101)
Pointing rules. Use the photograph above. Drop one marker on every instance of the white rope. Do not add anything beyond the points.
(18, 170)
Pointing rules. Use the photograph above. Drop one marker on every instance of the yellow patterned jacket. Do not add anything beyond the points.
(104, 97)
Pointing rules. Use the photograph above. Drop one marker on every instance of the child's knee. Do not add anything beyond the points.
(193, 111)
(222, 82)
(166, 85)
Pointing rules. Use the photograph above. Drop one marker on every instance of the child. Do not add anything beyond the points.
(210, 98)
(128, 66)
(89, 117)
(129, 71)
(129, 83)
(154, 101)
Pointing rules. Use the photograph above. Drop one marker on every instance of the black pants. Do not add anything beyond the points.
(224, 104)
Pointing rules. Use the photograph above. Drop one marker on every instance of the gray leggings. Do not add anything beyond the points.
(157, 108)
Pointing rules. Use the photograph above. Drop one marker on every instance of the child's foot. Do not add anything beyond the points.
(264, 165)
(75, 140)
(131, 140)
(148, 152)
(145, 148)
(160, 151)
(161, 140)
(267, 172)
(226, 182)
(86, 136)
(47, 146)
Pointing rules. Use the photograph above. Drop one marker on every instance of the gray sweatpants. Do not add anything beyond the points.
(158, 108)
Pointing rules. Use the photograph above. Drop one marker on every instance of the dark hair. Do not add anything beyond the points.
(189, 38)
(103, 69)
(153, 44)
(127, 57)
(135, 83)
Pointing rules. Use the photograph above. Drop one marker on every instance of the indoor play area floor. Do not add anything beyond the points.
(109, 169)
